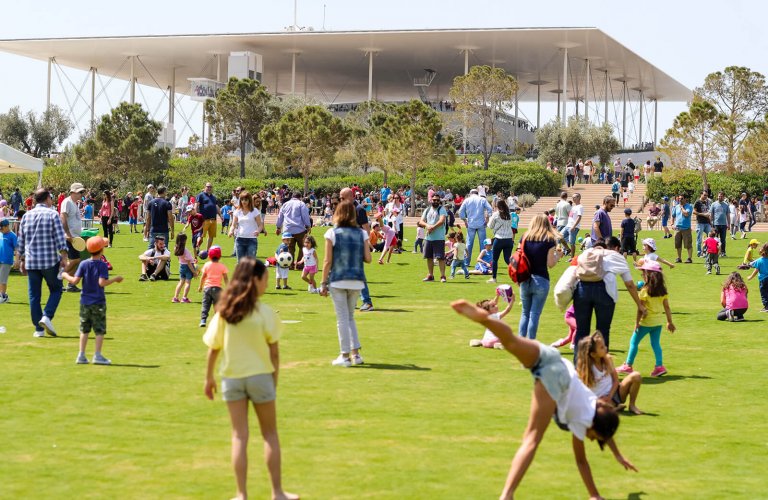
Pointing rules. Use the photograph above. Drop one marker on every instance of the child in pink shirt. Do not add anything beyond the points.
(570, 320)
(214, 272)
(389, 241)
(734, 299)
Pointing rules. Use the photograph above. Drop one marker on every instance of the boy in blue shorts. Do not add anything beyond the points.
(93, 303)
(8, 245)
(226, 211)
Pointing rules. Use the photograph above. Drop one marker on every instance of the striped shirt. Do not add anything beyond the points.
(41, 238)
(502, 229)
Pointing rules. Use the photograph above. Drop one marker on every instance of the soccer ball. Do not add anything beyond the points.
(284, 260)
(580, 239)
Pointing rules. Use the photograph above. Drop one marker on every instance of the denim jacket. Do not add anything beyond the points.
(348, 255)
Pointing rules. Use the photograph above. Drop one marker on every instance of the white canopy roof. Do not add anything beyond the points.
(13, 161)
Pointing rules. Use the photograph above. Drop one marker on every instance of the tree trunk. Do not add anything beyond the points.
(306, 182)
(413, 191)
(242, 159)
(486, 159)
(386, 174)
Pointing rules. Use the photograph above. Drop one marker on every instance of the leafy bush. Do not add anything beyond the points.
(526, 200)
(675, 182)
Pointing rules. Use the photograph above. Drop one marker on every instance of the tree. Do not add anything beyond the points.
(238, 114)
(693, 137)
(578, 139)
(367, 135)
(124, 146)
(35, 134)
(411, 137)
(754, 151)
(482, 93)
(740, 95)
(307, 138)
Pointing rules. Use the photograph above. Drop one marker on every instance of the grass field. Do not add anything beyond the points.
(425, 417)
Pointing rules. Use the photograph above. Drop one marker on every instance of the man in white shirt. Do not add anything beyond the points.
(512, 201)
(571, 229)
(72, 222)
(561, 211)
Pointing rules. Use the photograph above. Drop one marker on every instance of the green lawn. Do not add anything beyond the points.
(425, 417)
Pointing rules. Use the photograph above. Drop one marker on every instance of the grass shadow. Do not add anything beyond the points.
(393, 310)
(384, 297)
(379, 282)
(129, 365)
(627, 413)
(671, 378)
(389, 366)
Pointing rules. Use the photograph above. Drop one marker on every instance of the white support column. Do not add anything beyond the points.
(293, 73)
(218, 67)
(517, 111)
(93, 99)
(559, 116)
(133, 80)
(565, 85)
(586, 93)
(370, 75)
(202, 130)
(605, 115)
(640, 135)
(172, 98)
(48, 86)
(464, 126)
(624, 114)
(538, 106)
(655, 121)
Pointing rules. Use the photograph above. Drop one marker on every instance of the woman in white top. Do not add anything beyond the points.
(394, 213)
(557, 394)
(503, 242)
(246, 226)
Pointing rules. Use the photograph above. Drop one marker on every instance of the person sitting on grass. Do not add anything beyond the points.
(93, 303)
(596, 370)
(734, 298)
(489, 340)
(749, 255)
(156, 262)
(557, 394)
(484, 263)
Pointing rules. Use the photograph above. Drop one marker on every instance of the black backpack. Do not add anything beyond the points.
(450, 219)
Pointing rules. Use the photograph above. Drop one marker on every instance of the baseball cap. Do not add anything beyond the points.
(96, 244)
(627, 211)
(651, 243)
(76, 188)
(751, 242)
(214, 253)
(4, 223)
(189, 208)
(665, 198)
(651, 265)
(486, 241)
(286, 234)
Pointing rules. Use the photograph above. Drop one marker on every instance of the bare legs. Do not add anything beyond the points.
(265, 412)
(629, 387)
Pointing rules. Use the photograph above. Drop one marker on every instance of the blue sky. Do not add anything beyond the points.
(686, 39)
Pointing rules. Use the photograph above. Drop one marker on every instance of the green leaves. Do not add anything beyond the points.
(35, 134)
(579, 139)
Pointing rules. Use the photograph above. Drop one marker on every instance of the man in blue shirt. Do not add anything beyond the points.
(720, 215)
(475, 211)
(681, 223)
(703, 222)
(160, 217)
(433, 221)
(208, 206)
(602, 229)
(385, 192)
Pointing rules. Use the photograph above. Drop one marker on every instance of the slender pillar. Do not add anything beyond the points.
(218, 67)
(464, 127)
(576, 100)
(655, 121)
(48, 86)
(293, 73)
(640, 138)
(538, 106)
(133, 80)
(93, 98)
(586, 93)
(370, 75)
(517, 110)
(172, 98)
(305, 84)
(624, 114)
(605, 115)
(202, 130)
(565, 85)
(559, 117)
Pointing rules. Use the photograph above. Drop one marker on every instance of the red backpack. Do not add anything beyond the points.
(519, 267)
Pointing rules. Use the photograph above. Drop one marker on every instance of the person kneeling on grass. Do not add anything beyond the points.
(93, 303)
(557, 394)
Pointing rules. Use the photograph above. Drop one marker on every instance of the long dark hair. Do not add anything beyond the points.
(241, 297)
(503, 209)
(654, 283)
(181, 243)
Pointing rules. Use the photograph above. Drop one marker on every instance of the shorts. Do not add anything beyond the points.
(281, 273)
(629, 245)
(132, 221)
(185, 273)
(664, 221)
(71, 252)
(551, 371)
(434, 249)
(225, 223)
(195, 237)
(570, 234)
(257, 388)
(5, 271)
(209, 227)
(93, 317)
(310, 269)
(483, 268)
(683, 238)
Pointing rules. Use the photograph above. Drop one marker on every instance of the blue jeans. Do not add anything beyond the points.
(471, 232)
(722, 233)
(153, 235)
(246, 247)
(702, 232)
(365, 295)
(533, 294)
(35, 286)
(764, 292)
(588, 297)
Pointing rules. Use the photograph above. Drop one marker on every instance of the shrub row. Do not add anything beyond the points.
(675, 182)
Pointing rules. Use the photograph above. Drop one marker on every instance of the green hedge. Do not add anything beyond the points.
(675, 182)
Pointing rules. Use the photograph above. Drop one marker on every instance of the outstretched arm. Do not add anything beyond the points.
(619, 457)
(584, 469)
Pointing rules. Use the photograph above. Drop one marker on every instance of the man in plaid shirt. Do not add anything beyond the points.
(42, 252)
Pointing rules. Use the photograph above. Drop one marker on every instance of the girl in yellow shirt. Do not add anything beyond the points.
(246, 332)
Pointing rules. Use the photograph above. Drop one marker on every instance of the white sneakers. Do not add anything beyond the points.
(347, 362)
(45, 322)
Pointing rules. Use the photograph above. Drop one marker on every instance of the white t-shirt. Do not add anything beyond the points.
(512, 202)
(561, 212)
(154, 253)
(651, 256)
(488, 336)
(576, 406)
(574, 214)
(247, 227)
(346, 284)
(481, 190)
(310, 256)
(614, 263)
(603, 382)
(69, 208)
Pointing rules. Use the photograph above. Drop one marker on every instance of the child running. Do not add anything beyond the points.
(459, 252)
(187, 269)
(596, 370)
(281, 273)
(733, 298)
(653, 295)
(309, 260)
(194, 221)
(649, 247)
(214, 272)
(390, 241)
(570, 320)
(760, 269)
(557, 394)
(490, 340)
(93, 303)
(247, 331)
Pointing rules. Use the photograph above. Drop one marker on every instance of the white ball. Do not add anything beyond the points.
(284, 259)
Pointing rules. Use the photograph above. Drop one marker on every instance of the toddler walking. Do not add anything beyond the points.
(712, 244)
(459, 252)
(649, 248)
(418, 246)
(187, 269)
(570, 320)
(653, 294)
(8, 256)
(281, 273)
(309, 260)
(214, 272)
